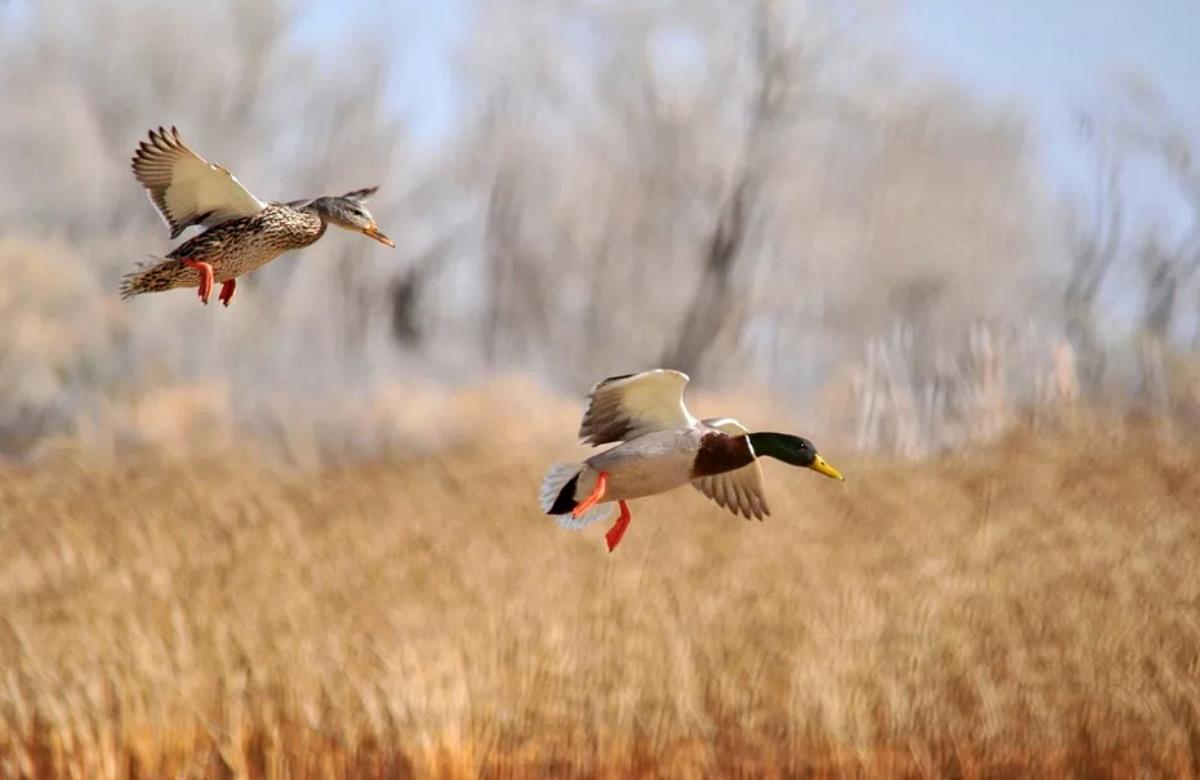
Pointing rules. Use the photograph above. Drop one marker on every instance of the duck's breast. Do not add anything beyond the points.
(646, 466)
(242, 245)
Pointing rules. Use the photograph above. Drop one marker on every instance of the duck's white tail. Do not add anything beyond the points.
(557, 497)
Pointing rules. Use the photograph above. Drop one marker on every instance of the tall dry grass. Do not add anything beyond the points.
(1025, 607)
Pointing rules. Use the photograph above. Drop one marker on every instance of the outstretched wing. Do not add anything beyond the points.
(741, 491)
(358, 196)
(363, 195)
(625, 407)
(186, 188)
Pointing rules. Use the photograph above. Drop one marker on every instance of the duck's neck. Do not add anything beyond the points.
(768, 444)
(309, 224)
(323, 208)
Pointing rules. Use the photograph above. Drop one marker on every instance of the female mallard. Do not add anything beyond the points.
(244, 233)
(664, 446)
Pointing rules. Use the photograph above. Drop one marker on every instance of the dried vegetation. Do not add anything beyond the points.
(1027, 606)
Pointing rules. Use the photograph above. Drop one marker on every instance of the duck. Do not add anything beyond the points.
(242, 232)
(661, 446)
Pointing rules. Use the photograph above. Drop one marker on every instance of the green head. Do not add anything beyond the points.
(796, 450)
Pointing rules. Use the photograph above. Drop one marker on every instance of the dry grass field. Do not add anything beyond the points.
(1028, 606)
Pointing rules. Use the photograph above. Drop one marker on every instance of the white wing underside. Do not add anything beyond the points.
(187, 189)
(741, 491)
(594, 515)
(622, 408)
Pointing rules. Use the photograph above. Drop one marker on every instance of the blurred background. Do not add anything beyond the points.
(909, 219)
(955, 243)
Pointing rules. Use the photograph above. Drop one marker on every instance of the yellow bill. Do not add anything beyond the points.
(821, 467)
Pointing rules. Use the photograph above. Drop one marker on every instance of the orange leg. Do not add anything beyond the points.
(597, 494)
(206, 277)
(227, 289)
(613, 537)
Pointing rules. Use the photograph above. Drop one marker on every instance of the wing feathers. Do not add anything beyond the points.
(363, 195)
(187, 189)
(358, 196)
(625, 407)
(741, 491)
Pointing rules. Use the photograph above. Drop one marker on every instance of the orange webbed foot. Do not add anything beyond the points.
(613, 537)
(227, 289)
(596, 494)
(206, 277)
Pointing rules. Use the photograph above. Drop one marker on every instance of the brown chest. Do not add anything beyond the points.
(719, 453)
(246, 243)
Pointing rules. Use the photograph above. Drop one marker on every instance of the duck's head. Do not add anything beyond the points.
(796, 450)
(348, 212)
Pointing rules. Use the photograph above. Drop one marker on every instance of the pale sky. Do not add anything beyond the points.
(1057, 55)
(1052, 56)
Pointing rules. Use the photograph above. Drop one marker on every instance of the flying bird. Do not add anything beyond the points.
(662, 446)
(243, 233)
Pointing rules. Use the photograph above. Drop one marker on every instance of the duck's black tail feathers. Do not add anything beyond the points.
(557, 497)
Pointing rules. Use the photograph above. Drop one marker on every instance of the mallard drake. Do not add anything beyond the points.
(243, 233)
(662, 446)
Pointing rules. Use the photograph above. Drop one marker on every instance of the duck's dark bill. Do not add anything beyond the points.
(821, 467)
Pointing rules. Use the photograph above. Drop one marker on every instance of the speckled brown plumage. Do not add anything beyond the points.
(232, 248)
(244, 233)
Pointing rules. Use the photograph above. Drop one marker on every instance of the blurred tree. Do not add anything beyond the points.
(757, 192)
(712, 306)
(290, 124)
(659, 189)
(1094, 243)
(1173, 268)
(1142, 134)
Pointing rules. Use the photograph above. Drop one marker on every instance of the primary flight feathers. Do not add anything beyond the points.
(187, 189)
(625, 407)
